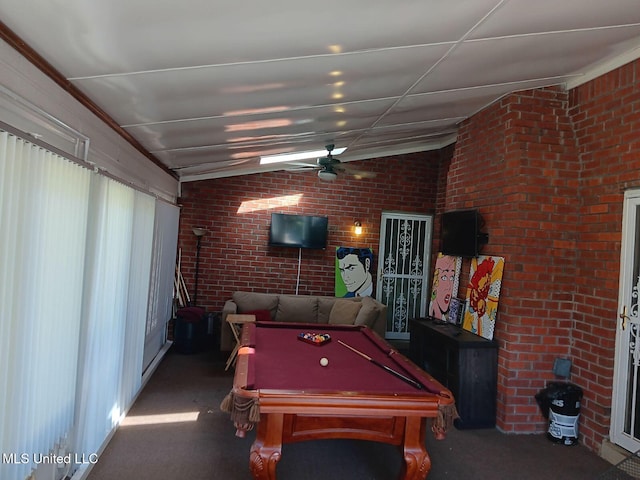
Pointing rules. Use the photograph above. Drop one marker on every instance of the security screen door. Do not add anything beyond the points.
(625, 419)
(403, 269)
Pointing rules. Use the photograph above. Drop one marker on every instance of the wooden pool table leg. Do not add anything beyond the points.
(266, 450)
(417, 463)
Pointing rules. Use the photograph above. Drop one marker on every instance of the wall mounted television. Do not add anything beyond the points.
(300, 231)
(460, 233)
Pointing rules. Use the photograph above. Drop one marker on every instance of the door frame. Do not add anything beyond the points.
(620, 394)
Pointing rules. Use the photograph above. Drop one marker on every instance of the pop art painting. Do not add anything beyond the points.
(353, 272)
(483, 293)
(446, 278)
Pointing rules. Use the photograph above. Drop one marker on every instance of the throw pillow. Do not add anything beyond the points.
(344, 312)
(251, 301)
(368, 314)
(261, 315)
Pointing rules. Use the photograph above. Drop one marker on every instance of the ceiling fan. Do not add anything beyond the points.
(329, 167)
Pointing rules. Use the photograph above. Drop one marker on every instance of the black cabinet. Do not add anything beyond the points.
(467, 364)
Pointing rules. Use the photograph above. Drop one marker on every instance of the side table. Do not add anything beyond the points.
(236, 321)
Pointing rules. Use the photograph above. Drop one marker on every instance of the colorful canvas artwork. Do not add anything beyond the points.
(353, 272)
(446, 278)
(483, 293)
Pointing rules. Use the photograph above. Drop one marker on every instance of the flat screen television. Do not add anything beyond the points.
(460, 234)
(300, 231)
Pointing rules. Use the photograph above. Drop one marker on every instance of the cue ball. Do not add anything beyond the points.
(324, 361)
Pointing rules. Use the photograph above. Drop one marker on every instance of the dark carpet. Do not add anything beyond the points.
(175, 430)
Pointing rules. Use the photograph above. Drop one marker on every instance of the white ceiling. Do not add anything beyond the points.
(207, 86)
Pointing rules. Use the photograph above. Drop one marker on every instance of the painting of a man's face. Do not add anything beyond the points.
(353, 272)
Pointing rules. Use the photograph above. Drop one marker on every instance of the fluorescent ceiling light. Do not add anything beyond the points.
(290, 157)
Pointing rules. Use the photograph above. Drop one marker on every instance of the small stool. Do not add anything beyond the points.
(236, 321)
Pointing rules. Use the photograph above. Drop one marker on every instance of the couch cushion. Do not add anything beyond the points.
(325, 304)
(368, 314)
(251, 301)
(292, 308)
(344, 312)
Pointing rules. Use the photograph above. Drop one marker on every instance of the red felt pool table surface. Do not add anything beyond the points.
(283, 362)
(281, 386)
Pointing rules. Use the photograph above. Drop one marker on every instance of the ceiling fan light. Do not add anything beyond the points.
(327, 175)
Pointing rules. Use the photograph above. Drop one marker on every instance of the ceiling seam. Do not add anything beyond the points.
(434, 65)
(255, 62)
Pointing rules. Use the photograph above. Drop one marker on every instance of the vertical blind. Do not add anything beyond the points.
(163, 264)
(117, 269)
(75, 261)
(138, 295)
(43, 218)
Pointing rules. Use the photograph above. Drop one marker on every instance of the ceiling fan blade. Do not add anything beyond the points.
(361, 175)
(357, 174)
(300, 168)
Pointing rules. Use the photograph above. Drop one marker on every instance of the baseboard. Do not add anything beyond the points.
(146, 375)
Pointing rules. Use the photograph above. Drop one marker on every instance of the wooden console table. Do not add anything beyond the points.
(465, 363)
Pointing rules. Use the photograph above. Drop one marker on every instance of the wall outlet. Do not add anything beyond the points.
(562, 367)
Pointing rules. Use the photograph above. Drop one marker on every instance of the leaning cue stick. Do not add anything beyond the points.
(383, 366)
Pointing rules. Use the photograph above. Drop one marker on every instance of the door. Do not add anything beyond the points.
(403, 269)
(625, 419)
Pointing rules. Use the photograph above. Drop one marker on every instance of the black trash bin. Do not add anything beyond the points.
(560, 403)
(187, 334)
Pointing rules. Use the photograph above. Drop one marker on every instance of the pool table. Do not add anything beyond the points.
(367, 391)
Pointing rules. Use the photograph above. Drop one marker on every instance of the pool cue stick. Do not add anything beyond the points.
(383, 366)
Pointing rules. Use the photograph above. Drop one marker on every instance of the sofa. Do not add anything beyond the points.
(303, 308)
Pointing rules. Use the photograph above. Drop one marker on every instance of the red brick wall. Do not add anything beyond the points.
(237, 212)
(557, 165)
(606, 115)
(516, 162)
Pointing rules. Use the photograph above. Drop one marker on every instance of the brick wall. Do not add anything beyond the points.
(237, 212)
(557, 166)
(516, 161)
(606, 114)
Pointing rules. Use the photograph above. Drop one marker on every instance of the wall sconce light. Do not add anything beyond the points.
(357, 227)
